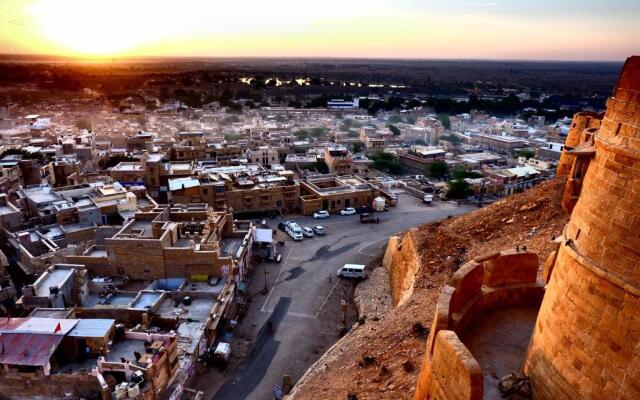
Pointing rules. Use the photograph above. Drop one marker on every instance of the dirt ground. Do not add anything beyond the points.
(381, 358)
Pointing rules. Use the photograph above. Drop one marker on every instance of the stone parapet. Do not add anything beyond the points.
(499, 280)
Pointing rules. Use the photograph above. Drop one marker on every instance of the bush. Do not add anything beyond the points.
(322, 167)
(461, 173)
(394, 129)
(387, 162)
(437, 169)
(526, 153)
(458, 189)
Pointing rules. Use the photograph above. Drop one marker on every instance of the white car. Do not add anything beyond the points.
(321, 214)
(307, 232)
(318, 230)
(348, 211)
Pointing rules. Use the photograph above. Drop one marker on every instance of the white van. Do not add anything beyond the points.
(352, 271)
(294, 230)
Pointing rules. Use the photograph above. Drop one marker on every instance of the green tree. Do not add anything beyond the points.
(526, 153)
(357, 147)
(387, 162)
(394, 129)
(318, 132)
(457, 189)
(322, 167)
(302, 134)
(461, 173)
(437, 169)
(450, 138)
(444, 118)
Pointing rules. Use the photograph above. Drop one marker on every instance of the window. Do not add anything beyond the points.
(219, 189)
(205, 191)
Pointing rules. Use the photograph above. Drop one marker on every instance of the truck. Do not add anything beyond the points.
(428, 199)
(366, 218)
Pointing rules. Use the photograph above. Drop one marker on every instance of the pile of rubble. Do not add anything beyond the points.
(382, 356)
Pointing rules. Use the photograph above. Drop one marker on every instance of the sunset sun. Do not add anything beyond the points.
(95, 28)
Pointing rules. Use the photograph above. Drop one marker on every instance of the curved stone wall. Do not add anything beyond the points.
(499, 280)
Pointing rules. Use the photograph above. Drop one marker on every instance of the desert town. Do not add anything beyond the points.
(150, 250)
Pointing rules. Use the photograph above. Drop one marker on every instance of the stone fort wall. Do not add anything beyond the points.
(586, 342)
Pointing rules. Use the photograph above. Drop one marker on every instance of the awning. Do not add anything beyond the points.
(92, 328)
(264, 236)
(27, 348)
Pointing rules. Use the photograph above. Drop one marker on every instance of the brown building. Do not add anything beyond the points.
(335, 193)
(418, 158)
(83, 358)
(244, 190)
(338, 159)
(502, 144)
(179, 241)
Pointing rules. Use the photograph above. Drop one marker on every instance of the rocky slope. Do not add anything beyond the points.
(380, 358)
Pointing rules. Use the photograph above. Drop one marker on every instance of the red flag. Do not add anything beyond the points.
(58, 328)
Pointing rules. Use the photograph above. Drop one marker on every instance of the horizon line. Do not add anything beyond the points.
(106, 59)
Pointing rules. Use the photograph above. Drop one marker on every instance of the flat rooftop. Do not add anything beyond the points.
(128, 166)
(198, 310)
(6, 209)
(54, 277)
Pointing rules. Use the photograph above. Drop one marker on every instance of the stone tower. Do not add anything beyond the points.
(586, 341)
(581, 121)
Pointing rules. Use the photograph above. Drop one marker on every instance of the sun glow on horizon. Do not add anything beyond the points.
(331, 28)
(93, 29)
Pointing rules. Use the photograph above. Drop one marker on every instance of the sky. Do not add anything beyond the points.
(469, 29)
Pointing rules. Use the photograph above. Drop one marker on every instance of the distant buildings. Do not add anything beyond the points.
(335, 193)
(417, 158)
(339, 104)
(338, 159)
(499, 143)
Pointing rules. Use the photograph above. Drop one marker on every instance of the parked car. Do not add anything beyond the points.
(321, 214)
(282, 226)
(348, 211)
(318, 230)
(352, 271)
(307, 232)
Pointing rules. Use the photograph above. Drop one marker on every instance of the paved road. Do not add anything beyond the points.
(303, 304)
